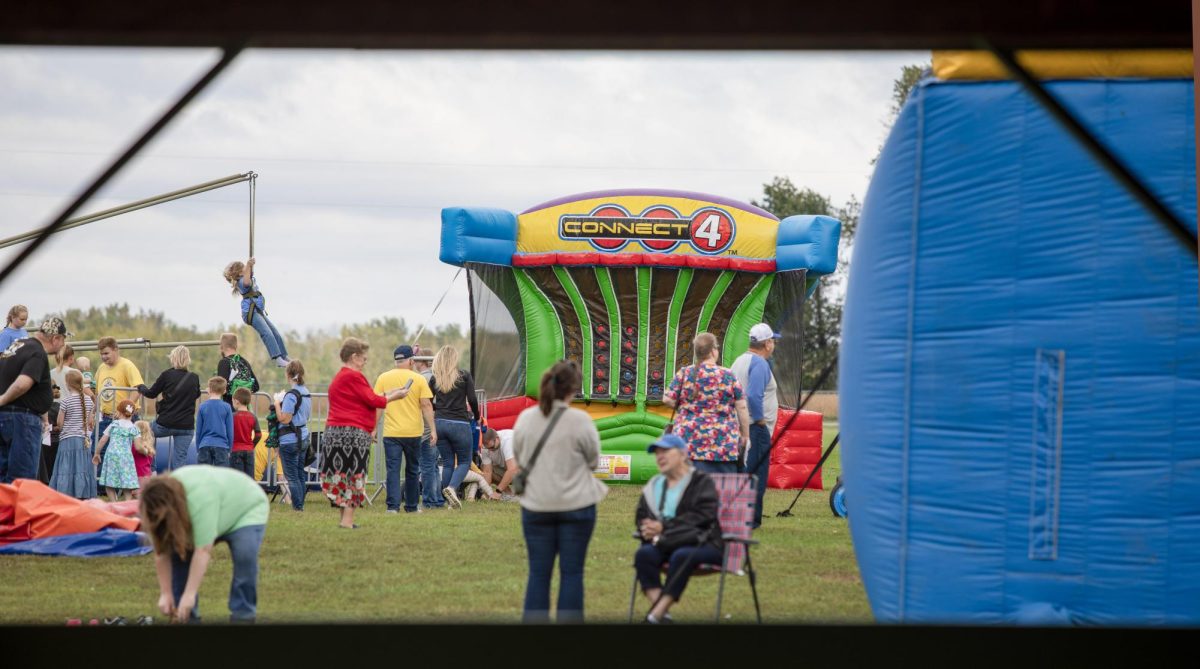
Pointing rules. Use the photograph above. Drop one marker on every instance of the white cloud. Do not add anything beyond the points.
(358, 151)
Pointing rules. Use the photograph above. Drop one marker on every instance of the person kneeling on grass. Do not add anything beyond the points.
(185, 513)
(678, 523)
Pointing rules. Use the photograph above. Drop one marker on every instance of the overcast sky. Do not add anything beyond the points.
(357, 153)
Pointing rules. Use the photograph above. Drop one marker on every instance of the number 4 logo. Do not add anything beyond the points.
(711, 231)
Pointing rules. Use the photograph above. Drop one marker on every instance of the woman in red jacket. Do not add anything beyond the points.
(347, 439)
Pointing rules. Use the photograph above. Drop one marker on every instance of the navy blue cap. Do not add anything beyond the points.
(403, 352)
(667, 441)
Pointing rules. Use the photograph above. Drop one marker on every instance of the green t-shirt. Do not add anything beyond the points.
(221, 500)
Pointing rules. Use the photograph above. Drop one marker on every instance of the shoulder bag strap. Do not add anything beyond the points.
(542, 442)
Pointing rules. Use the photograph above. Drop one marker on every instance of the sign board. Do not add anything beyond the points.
(613, 467)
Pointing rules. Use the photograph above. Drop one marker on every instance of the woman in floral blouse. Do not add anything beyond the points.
(710, 410)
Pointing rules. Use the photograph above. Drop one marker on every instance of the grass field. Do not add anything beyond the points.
(443, 566)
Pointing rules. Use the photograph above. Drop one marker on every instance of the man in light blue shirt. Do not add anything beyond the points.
(754, 373)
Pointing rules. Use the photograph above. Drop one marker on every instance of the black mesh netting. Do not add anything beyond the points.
(497, 354)
(784, 312)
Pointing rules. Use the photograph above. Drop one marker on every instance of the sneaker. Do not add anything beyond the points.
(451, 498)
(119, 620)
(282, 361)
(471, 490)
(393, 511)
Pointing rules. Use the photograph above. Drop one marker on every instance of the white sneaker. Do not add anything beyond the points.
(451, 498)
(471, 490)
(282, 361)
(392, 511)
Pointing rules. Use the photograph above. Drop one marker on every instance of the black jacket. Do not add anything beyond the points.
(179, 389)
(452, 404)
(696, 520)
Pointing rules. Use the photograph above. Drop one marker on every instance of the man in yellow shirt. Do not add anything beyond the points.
(404, 423)
(115, 372)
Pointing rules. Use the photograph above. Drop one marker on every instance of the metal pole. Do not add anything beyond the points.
(134, 206)
(227, 56)
(1105, 158)
(253, 180)
(145, 343)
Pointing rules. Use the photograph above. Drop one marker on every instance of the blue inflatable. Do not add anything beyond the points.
(1020, 375)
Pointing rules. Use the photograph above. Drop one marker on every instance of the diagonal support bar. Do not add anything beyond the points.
(227, 57)
(1096, 149)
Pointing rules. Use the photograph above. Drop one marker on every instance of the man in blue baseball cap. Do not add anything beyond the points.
(753, 371)
(404, 424)
(677, 518)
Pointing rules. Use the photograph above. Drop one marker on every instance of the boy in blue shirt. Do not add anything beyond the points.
(214, 426)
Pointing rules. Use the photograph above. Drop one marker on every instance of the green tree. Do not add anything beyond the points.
(823, 310)
(317, 349)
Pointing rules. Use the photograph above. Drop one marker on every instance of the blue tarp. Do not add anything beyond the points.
(105, 543)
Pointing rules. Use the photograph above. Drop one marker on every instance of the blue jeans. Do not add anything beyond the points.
(243, 461)
(212, 455)
(181, 440)
(20, 445)
(758, 463)
(454, 443)
(431, 477)
(244, 544)
(270, 336)
(564, 534)
(711, 467)
(293, 471)
(396, 450)
(649, 560)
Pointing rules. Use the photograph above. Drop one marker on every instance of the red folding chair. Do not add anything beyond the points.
(735, 493)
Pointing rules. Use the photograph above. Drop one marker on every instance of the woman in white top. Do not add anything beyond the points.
(58, 375)
(558, 505)
(74, 474)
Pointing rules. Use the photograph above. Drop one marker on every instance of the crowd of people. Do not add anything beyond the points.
(722, 422)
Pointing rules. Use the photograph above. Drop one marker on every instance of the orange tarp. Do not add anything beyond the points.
(30, 509)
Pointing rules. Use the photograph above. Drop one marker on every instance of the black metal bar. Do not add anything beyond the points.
(471, 324)
(227, 56)
(832, 445)
(1096, 149)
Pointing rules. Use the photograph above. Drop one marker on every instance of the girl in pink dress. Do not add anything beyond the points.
(143, 452)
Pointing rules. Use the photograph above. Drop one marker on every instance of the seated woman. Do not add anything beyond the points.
(677, 520)
(188, 511)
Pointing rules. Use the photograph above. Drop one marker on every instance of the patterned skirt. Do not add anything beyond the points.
(344, 468)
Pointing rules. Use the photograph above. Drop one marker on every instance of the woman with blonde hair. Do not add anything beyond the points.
(186, 513)
(176, 411)
(455, 407)
(347, 439)
(63, 360)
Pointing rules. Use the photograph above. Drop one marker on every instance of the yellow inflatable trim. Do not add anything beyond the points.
(1150, 64)
(599, 410)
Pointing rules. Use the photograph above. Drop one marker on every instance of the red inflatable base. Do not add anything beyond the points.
(797, 451)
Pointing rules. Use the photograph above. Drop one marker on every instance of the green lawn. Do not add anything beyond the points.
(442, 566)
